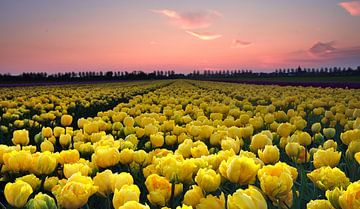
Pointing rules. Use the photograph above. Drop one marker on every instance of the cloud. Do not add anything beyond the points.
(204, 35)
(326, 52)
(353, 7)
(320, 48)
(190, 20)
(240, 44)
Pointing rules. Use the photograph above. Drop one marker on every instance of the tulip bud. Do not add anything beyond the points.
(50, 182)
(270, 155)
(46, 145)
(21, 137)
(58, 131)
(157, 140)
(65, 140)
(39, 138)
(46, 132)
(66, 120)
(126, 156)
(129, 121)
(329, 132)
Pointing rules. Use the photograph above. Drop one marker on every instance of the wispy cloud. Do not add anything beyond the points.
(190, 20)
(237, 43)
(353, 7)
(326, 52)
(206, 36)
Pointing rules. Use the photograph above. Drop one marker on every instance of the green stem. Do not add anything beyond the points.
(108, 201)
(43, 177)
(172, 205)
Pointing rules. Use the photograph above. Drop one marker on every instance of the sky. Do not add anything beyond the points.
(180, 35)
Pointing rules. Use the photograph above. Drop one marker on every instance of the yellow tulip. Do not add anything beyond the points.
(66, 120)
(327, 178)
(353, 148)
(18, 161)
(119, 180)
(129, 121)
(329, 132)
(349, 136)
(31, 179)
(199, 149)
(329, 144)
(90, 128)
(106, 157)
(46, 132)
(46, 145)
(125, 194)
(270, 155)
(259, 141)
(50, 182)
(102, 180)
(44, 163)
(276, 181)
(159, 189)
(65, 140)
(58, 131)
(333, 197)
(133, 205)
(284, 129)
(140, 156)
(17, 193)
(350, 198)
(327, 157)
(316, 204)
(41, 201)
(157, 140)
(192, 196)
(247, 199)
(76, 192)
(357, 157)
(126, 156)
(303, 138)
(70, 169)
(241, 170)
(21, 137)
(69, 156)
(316, 127)
(212, 202)
(208, 179)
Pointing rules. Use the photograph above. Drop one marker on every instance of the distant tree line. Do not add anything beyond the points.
(170, 74)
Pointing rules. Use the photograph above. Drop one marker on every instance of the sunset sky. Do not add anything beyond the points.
(180, 35)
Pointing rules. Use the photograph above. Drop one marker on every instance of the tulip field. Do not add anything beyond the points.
(179, 144)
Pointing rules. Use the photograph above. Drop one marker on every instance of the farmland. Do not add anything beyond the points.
(179, 144)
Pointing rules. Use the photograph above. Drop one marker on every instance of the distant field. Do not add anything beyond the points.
(321, 81)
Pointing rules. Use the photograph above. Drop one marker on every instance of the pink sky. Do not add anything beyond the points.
(181, 36)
